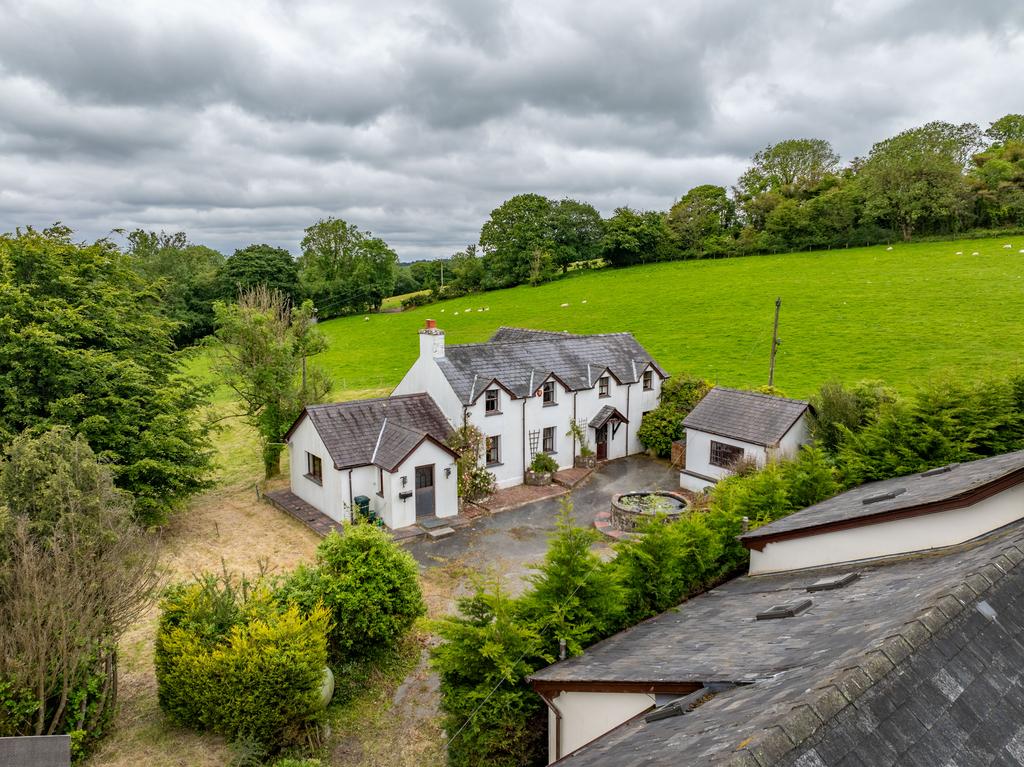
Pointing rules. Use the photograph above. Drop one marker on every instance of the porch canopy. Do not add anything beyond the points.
(606, 415)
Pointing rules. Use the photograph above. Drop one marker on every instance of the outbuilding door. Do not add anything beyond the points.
(425, 491)
(601, 438)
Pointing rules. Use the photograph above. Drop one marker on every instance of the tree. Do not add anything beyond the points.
(84, 343)
(345, 270)
(916, 177)
(1007, 128)
(663, 425)
(75, 572)
(185, 276)
(264, 343)
(573, 597)
(837, 410)
(467, 270)
(635, 237)
(791, 168)
(510, 237)
(997, 180)
(576, 231)
(702, 221)
(260, 266)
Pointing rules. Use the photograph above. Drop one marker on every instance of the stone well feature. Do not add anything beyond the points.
(628, 509)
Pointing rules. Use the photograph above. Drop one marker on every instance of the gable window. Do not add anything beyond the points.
(493, 450)
(548, 442)
(491, 402)
(723, 455)
(648, 380)
(602, 387)
(314, 468)
(549, 393)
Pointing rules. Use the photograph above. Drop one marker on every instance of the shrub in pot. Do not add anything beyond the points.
(541, 470)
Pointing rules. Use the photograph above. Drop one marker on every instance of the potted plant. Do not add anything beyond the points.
(542, 469)
(586, 459)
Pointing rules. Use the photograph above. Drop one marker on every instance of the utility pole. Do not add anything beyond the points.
(775, 342)
(442, 276)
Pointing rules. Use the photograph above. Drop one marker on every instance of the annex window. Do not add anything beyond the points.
(491, 401)
(548, 442)
(493, 450)
(648, 379)
(602, 386)
(549, 392)
(314, 468)
(724, 455)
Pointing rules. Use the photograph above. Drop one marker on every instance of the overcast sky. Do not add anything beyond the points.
(243, 122)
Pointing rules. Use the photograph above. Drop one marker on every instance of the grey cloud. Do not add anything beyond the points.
(240, 123)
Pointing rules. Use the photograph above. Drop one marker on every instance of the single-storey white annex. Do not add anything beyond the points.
(390, 451)
(730, 425)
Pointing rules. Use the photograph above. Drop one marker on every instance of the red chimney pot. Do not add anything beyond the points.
(431, 324)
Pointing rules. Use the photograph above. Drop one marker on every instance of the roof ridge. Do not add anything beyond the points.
(556, 336)
(760, 394)
(877, 661)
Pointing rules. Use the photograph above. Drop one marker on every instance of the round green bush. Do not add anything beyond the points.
(367, 582)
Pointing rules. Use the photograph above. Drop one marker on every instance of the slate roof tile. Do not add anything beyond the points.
(747, 416)
(376, 431)
(522, 359)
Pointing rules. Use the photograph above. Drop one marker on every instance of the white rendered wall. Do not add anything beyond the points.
(589, 715)
(698, 453)
(507, 423)
(640, 402)
(902, 536)
(398, 513)
(558, 416)
(332, 496)
(426, 376)
(798, 434)
(589, 403)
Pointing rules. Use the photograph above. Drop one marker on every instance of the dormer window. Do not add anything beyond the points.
(491, 402)
(648, 380)
(549, 393)
(602, 387)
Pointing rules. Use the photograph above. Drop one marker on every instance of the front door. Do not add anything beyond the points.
(424, 491)
(601, 438)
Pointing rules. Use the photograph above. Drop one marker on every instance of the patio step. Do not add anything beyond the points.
(440, 532)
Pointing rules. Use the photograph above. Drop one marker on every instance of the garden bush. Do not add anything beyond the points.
(232, 659)
(369, 585)
(663, 425)
(542, 462)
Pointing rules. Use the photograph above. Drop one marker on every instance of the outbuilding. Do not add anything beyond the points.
(388, 452)
(730, 426)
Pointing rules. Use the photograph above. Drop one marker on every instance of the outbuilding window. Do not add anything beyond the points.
(549, 393)
(602, 387)
(491, 402)
(723, 455)
(314, 468)
(548, 442)
(493, 450)
(648, 380)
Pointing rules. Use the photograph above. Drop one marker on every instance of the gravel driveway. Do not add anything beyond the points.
(508, 542)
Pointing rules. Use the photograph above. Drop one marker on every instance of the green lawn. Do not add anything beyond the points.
(903, 315)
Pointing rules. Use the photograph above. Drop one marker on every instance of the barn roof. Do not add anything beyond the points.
(381, 432)
(521, 359)
(911, 663)
(932, 490)
(747, 416)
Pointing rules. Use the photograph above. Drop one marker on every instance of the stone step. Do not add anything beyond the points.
(440, 532)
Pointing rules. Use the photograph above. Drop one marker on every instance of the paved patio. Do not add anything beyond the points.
(512, 540)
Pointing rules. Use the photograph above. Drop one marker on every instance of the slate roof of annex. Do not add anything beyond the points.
(802, 671)
(380, 431)
(930, 487)
(759, 419)
(520, 359)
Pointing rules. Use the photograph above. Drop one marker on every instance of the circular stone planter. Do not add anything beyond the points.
(629, 509)
(537, 478)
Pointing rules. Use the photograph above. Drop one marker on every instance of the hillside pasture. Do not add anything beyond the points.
(906, 315)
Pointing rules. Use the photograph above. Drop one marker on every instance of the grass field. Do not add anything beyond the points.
(904, 315)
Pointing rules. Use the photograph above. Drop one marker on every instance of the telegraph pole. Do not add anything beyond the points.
(775, 342)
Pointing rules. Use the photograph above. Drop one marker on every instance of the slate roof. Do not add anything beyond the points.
(759, 419)
(520, 359)
(604, 415)
(899, 667)
(381, 432)
(936, 486)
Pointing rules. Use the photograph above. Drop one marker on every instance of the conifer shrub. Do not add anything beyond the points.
(543, 463)
(369, 585)
(232, 659)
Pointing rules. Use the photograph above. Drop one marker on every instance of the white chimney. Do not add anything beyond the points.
(431, 340)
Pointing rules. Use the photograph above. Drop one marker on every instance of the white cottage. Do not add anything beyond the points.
(390, 451)
(524, 388)
(731, 425)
